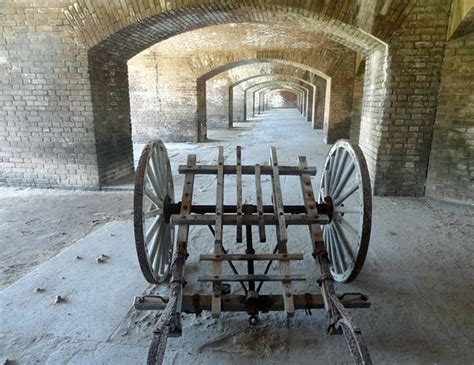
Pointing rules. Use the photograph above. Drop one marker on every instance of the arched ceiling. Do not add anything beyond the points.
(123, 29)
(237, 36)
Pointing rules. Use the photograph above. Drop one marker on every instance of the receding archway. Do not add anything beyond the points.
(242, 84)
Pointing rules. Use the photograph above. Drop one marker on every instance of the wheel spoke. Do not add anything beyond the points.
(154, 226)
(165, 248)
(152, 196)
(326, 183)
(345, 210)
(151, 178)
(334, 165)
(348, 227)
(343, 239)
(329, 248)
(344, 179)
(340, 263)
(152, 213)
(347, 194)
(153, 248)
(340, 171)
(156, 263)
(331, 244)
(156, 161)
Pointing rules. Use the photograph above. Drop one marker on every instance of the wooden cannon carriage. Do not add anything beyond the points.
(338, 218)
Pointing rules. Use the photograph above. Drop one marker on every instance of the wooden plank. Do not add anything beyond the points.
(218, 250)
(260, 212)
(219, 200)
(183, 230)
(310, 205)
(239, 193)
(256, 277)
(246, 170)
(255, 257)
(253, 220)
(236, 303)
(282, 234)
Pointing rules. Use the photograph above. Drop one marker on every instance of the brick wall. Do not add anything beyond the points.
(163, 98)
(320, 103)
(110, 98)
(356, 108)
(339, 123)
(64, 85)
(217, 99)
(47, 131)
(415, 60)
(451, 167)
(282, 99)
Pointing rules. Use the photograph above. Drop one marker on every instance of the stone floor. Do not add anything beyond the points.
(419, 275)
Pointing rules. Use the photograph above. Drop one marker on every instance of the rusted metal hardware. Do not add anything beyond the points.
(338, 218)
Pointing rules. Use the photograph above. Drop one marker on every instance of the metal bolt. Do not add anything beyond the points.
(78, 257)
(39, 290)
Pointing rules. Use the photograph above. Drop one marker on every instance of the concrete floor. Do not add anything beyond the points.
(419, 275)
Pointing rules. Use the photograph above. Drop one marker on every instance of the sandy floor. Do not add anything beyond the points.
(418, 272)
(36, 224)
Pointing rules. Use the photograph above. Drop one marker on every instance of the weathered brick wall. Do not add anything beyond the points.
(342, 83)
(238, 104)
(145, 104)
(46, 120)
(217, 99)
(77, 112)
(451, 167)
(109, 92)
(254, 101)
(356, 108)
(282, 99)
(320, 103)
(374, 96)
(415, 59)
(171, 91)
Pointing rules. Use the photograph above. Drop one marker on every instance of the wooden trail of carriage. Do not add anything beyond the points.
(337, 216)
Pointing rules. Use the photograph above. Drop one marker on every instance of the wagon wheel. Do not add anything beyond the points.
(345, 186)
(153, 193)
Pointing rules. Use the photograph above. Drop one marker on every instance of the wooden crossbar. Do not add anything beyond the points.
(255, 257)
(236, 303)
(256, 277)
(247, 219)
(246, 170)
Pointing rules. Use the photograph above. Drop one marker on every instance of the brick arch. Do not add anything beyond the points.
(282, 89)
(114, 33)
(115, 28)
(254, 91)
(247, 59)
(310, 109)
(301, 95)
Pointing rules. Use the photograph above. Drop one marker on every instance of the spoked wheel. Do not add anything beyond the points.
(345, 186)
(154, 236)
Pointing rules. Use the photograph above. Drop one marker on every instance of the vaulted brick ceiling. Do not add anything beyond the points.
(128, 27)
(248, 36)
